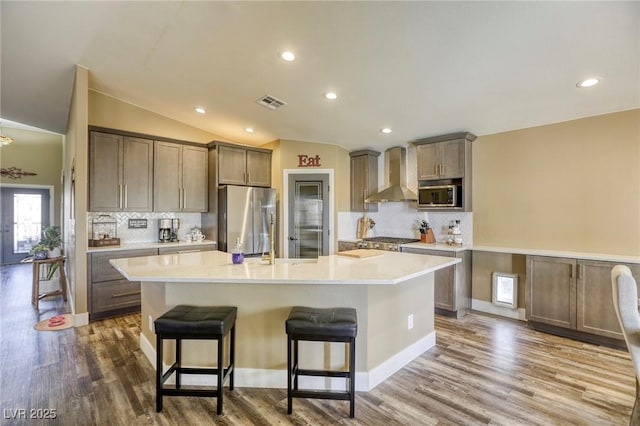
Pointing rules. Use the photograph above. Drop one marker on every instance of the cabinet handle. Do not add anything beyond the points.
(365, 205)
(125, 197)
(184, 198)
(130, 293)
(435, 169)
(119, 196)
(572, 272)
(248, 177)
(578, 272)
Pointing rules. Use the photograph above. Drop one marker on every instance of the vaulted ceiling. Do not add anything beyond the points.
(419, 68)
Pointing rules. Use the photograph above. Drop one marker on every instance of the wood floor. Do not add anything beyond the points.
(483, 370)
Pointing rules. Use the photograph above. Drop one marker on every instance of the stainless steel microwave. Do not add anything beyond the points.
(440, 196)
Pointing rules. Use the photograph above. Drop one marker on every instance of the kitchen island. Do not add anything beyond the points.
(392, 293)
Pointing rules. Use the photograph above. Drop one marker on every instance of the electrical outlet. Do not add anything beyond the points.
(410, 322)
(150, 323)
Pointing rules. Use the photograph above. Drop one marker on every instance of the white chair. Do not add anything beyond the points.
(625, 301)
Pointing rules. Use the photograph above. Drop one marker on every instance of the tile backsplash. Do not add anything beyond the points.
(150, 233)
(400, 220)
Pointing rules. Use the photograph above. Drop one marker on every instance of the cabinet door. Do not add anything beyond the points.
(451, 159)
(364, 182)
(444, 296)
(195, 162)
(428, 157)
(596, 313)
(137, 175)
(105, 172)
(551, 291)
(258, 168)
(167, 177)
(232, 163)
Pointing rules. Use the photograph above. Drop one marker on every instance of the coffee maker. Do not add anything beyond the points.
(175, 225)
(164, 230)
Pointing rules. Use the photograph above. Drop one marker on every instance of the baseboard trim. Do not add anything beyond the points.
(490, 308)
(265, 378)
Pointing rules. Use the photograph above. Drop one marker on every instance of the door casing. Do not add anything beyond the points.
(285, 203)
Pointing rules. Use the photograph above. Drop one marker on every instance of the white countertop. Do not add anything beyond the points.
(216, 267)
(438, 246)
(559, 253)
(139, 246)
(606, 257)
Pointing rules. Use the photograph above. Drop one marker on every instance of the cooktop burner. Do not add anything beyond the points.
(392, 240)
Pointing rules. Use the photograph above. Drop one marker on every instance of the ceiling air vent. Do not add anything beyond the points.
(270, 102)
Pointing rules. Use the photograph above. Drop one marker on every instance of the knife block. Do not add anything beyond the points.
(428, 237)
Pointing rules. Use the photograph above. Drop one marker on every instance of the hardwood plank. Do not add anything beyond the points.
(483, 370)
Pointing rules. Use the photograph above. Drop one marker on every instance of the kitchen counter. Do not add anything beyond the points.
(137, 246)
(393, 294)
(439, 246)
(519, 250)
(216, 267)
(560, 253)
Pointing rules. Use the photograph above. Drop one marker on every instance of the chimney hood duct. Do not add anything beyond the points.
(396, 158)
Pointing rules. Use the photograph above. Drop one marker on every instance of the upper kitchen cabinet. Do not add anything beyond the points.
(444, 164)
(364, 179)
(180, 178)
(243, 166)
(120, 173)
(444, 157)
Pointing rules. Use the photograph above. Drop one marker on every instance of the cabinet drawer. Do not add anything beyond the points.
(443, 253)
(107, 296)
(186, 249)
(101, 269)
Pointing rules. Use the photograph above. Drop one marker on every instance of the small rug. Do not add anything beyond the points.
(58, 322)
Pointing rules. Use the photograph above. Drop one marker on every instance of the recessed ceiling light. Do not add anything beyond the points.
(588, 82)
(385, 130)
(331, 96)
(288, 56)
(249, 129)
(200, 110)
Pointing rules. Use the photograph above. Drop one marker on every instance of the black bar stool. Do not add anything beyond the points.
(323, 325)
(195, 323)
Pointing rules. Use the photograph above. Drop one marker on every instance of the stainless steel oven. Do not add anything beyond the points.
(385, 243)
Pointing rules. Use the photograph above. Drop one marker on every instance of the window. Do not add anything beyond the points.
(505, 290)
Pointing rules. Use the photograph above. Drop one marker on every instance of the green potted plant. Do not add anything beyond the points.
(50, 241)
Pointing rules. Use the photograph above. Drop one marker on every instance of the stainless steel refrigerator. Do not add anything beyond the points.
(244, 212)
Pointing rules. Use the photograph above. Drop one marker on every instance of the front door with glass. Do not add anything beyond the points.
(25, 212)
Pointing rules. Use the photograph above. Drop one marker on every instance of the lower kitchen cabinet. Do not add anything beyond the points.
(573, 295)
(109, 292)
(452, 291)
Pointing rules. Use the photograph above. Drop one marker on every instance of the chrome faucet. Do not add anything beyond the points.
(271, 257)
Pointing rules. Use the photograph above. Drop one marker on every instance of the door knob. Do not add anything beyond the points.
(293, 239)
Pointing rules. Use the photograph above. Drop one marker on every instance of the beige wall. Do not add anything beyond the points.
(109, 112)
(75, 193)
(571, 186)
(39, 153)
(285, 156)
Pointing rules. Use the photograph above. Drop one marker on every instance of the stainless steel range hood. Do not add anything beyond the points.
(396, 160)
